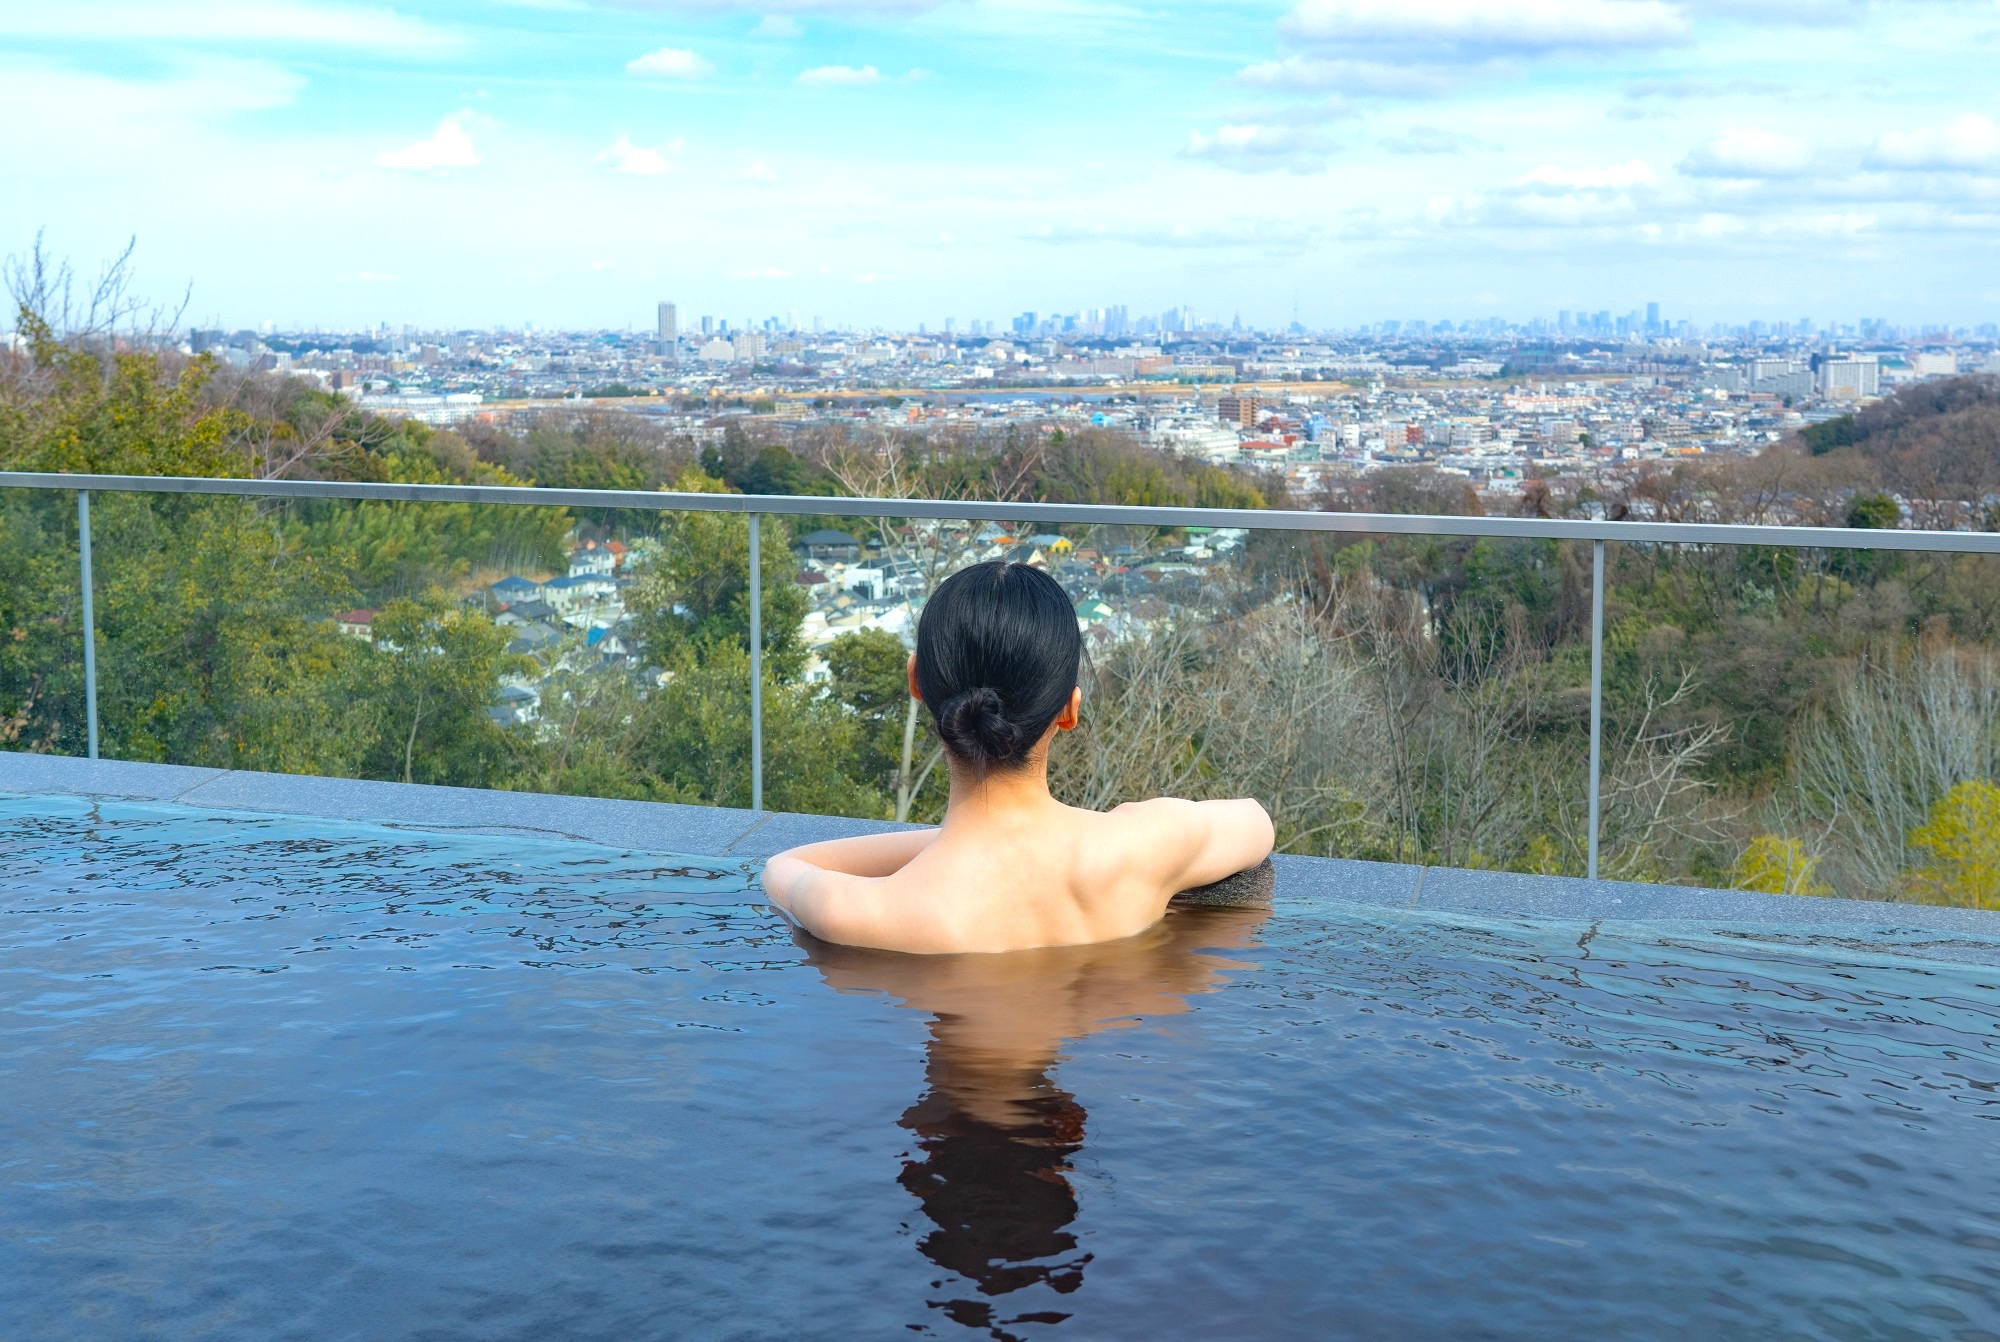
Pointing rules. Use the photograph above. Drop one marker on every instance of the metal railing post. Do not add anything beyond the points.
(756, 665)
(89, 621)
(1596, 692)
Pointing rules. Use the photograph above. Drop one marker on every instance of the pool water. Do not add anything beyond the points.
(269, 1078)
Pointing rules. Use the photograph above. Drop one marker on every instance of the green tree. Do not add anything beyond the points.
(1826, 436)
(1962, 836)
(693, 588)
(1875, 512)
(1778, 866)
(869, 674)
(402, 549)
(211, 625)
(67, 405)
(436, 670)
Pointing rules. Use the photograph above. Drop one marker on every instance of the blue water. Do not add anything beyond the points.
(265, 1078)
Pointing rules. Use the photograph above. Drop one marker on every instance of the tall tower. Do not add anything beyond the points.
(670, 332)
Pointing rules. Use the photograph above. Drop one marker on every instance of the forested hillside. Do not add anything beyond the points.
(1813, 721)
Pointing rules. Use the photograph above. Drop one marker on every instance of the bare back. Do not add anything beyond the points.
(1012, 868)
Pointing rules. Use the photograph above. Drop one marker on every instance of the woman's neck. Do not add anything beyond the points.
(977, 796)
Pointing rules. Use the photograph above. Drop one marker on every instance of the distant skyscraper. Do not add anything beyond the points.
(670, 332)
(707, 327)
(1652, 319)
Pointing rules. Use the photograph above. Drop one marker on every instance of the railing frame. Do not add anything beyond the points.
(757, 505)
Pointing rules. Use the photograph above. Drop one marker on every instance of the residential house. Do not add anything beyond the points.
(828, 545)
(511, 591)
(518, 704)
(529, 612)
(357, 624)
(572, 597)
(531, 636)
(592, 561)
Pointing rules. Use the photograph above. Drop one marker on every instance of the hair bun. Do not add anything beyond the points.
(974, 724)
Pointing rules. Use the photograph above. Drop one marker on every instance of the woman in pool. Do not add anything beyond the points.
(1011, 867)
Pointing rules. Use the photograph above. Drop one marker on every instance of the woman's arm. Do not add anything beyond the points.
(865, 854)
(1196, 843)
(792, 879)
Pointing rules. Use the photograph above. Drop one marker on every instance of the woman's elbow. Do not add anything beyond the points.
(782, 878)
(1259, 831)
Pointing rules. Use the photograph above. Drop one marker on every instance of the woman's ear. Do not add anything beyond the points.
(915, 693)
(1072, 711)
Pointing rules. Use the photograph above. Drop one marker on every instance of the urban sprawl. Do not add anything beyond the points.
(1492, 402)
(1586, 395)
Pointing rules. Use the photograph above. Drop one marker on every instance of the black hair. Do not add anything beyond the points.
(997, 657)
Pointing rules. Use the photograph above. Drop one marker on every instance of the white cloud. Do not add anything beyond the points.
(838, 75)
(1257, 148)
(778, 25)
(1382, 79)
(1618, 177)
(1747, 152)
(1969, 143)
(1699, 88)
(833, 9)
(1521, 25)
(198, 87)
(227, 22)
(1265, 234)
(634, 160)
(669, 63)
(449, 146)
(1781, 11)
(757, 170)
(1428, 140)
(765, 273)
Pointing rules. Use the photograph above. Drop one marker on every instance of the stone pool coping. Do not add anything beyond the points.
(748, 836)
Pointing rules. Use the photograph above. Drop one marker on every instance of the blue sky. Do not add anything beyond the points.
(570, 162)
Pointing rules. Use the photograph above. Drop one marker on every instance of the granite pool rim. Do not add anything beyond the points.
(750, 837)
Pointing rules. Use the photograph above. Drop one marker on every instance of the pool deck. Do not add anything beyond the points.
(750, 837)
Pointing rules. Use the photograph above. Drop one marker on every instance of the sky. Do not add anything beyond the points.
(890, 162)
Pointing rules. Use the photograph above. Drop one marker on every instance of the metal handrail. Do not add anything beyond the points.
(1271, 519)
(756, 505)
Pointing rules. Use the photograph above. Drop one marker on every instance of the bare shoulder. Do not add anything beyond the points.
(1195, 842)
(873, 911)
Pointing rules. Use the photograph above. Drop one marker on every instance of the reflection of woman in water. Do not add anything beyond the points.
(1011, 867)
(994, 1133)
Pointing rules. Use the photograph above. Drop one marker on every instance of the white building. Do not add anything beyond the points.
(593, 561)
(1850, 377)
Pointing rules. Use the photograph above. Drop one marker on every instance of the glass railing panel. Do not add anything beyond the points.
(42, 705)
(1774, 718)
(1389, 698)
(1818, 722)
(1452, 678)
(314, 637)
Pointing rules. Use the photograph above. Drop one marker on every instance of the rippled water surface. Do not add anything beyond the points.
(267, 1078)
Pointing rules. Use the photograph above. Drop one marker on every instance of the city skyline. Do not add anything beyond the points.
(895, 162)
